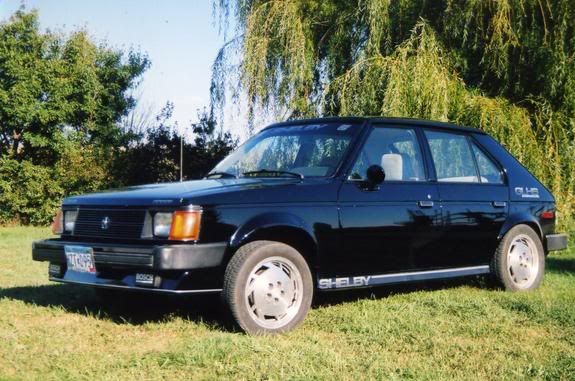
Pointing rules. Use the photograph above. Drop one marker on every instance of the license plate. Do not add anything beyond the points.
(80, 259)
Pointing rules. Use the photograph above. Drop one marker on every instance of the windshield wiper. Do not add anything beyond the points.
(221, 175)
(272, 173)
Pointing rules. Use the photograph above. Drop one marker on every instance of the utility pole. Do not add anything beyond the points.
(181, 157)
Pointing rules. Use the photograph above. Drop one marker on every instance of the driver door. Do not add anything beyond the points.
(395, 226)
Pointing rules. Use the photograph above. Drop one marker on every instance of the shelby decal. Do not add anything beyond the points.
(527, 192)
(356, 281)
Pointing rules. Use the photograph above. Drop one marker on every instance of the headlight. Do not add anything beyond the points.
(181, 225)
(70, 217)
(162, 224)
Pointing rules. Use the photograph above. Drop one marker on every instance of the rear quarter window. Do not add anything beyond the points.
(488, 170)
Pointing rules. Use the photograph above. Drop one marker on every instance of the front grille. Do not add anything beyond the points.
(123, 224)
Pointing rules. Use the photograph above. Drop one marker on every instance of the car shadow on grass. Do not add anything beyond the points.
(125, 308)
(140, 308)
(560, 264)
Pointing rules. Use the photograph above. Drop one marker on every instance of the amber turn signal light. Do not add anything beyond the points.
(185, 225)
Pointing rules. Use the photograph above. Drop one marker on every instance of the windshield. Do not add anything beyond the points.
(310, 150)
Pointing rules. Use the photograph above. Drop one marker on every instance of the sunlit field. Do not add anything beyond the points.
(448, 330)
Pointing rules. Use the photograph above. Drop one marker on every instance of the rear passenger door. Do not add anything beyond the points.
(473, 198)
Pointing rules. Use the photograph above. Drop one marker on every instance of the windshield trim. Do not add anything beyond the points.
(359, 121)
(361, 124)
(351, 150)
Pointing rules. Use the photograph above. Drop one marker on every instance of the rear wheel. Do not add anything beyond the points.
(268, 287)
(519, 261)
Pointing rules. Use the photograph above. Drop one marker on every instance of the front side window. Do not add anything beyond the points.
(310, 150)
(452, 157)
(396, 150)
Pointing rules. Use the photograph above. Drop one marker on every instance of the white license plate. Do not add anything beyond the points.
(80, 259)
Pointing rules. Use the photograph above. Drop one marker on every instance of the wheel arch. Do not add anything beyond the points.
(280, 227)
(521, 219)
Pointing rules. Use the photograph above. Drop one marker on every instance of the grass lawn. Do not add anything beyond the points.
(450, 330)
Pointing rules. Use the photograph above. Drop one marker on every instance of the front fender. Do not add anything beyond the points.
(265, 221)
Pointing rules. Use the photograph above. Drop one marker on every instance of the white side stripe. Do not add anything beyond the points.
(373, 280)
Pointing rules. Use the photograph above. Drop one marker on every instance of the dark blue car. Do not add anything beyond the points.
(316, 205)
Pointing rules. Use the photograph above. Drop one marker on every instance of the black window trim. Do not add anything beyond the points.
(361, 143)
(356, 144)
(477, 173)
(502, 174)
(468, 136)
(428, 163)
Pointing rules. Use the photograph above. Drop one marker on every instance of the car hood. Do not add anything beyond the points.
(199, 192)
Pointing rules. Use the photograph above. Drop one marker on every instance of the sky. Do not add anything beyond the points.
(179, 37)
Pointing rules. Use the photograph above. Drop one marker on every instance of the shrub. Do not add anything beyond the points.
(29, 193)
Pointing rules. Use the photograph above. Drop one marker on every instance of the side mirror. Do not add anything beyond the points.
(375, 175)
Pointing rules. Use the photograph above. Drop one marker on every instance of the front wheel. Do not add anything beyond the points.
(519, 261)
(268, 287)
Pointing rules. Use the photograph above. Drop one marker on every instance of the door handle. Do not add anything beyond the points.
(425, 204)
(499, 204)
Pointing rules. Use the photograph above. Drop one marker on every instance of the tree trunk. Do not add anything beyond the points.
(16, 136)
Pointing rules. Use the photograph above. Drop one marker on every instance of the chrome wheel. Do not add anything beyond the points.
(274, 292)
(523, 261)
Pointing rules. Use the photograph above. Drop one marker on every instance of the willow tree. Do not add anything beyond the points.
(505, 66)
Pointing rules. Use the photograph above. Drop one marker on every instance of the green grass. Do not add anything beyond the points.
(450, 330)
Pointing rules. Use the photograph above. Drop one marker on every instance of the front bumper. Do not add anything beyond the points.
(176, 269)
(556, 242)
(165, 257)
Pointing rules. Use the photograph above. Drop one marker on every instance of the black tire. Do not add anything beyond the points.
(505, 261)
(249, 263)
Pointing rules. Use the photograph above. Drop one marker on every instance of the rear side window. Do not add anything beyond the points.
(488, 170)
(452, 157)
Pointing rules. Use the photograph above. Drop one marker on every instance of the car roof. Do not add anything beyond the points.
(357, 119)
